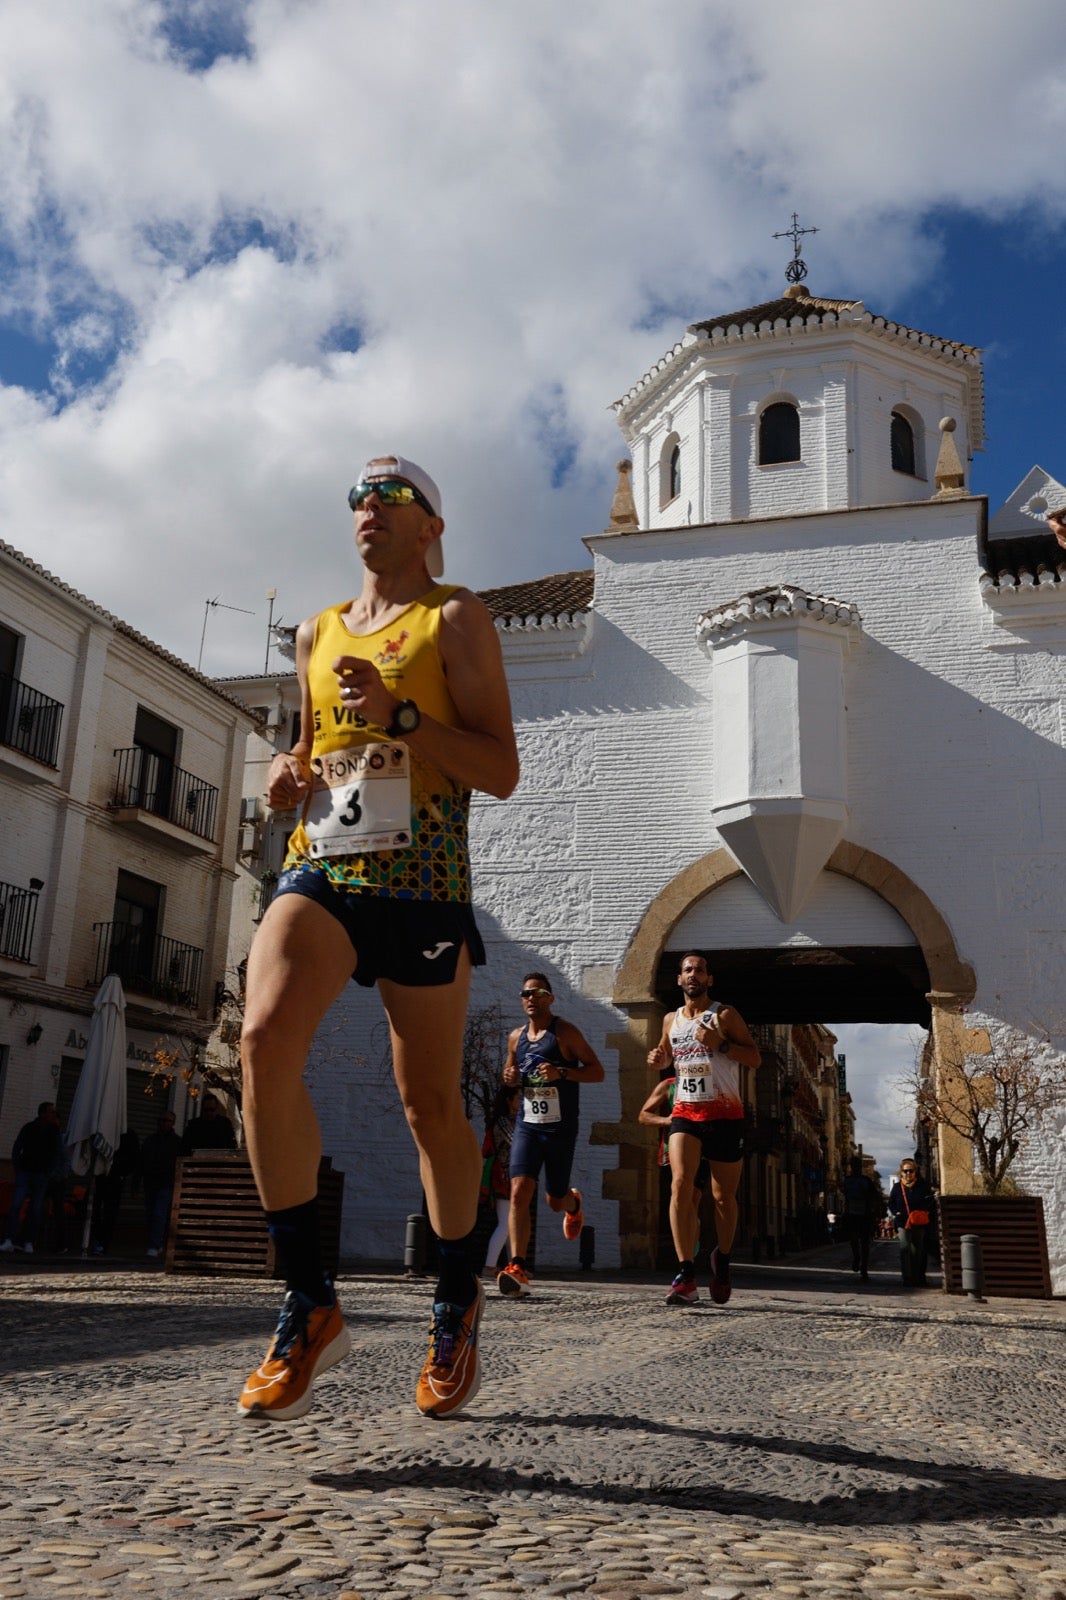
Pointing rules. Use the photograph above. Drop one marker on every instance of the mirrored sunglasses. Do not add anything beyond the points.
(391, 492)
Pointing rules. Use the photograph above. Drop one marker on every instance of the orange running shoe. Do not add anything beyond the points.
(452, 1373)
(574, 1221)
(513, 1280)
(309, 1339)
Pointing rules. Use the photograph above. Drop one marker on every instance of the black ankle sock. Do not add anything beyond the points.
(295, 1235)
(687, 1270)
(458, 1281)
(520, 1261)
(721, 1261)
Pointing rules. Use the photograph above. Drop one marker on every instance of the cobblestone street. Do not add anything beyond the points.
(812, 1438)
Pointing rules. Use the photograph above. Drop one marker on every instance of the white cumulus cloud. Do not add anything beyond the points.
(459, 231)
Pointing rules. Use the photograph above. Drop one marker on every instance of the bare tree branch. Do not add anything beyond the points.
(995, 1094)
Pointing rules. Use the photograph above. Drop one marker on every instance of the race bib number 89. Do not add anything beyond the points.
(360, 800)
(542, 1105)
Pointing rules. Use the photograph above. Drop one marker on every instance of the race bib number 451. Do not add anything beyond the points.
(360, 800)
(692, 1087)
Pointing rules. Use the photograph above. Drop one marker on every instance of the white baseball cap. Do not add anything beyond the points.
(389, 465)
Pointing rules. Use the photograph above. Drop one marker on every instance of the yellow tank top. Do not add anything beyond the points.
(436, 864)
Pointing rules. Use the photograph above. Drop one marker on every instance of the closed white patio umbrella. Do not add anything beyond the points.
(98, 1115)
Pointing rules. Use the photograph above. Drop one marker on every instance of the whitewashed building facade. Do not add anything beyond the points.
(120, 777)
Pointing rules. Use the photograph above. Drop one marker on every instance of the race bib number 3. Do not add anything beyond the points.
(360, 800)
(542, 1104)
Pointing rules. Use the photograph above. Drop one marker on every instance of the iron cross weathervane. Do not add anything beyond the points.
(796, 270)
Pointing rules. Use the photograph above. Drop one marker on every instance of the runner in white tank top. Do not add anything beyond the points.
(707, 1046)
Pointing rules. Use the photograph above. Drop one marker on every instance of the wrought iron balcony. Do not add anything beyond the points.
(29, 721)
(147, 963)
(18, 918)
(145, 781)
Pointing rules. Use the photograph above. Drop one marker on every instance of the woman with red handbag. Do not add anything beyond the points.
(911, 1204)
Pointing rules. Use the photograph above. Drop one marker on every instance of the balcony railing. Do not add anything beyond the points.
(146, 963)
(18, 918)
(268, 884)
(153, 783)
(29, 721)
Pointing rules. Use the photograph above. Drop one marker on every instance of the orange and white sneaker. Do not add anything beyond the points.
(513, 1280)
(308, 1340)
(573, 1221)
(452, 1373)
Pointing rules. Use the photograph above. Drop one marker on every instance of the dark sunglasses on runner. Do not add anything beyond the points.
(531, 994)
(391, 492)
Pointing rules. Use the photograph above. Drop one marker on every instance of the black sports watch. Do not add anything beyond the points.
(405, 719)
(564, 1071)
(723, 1048)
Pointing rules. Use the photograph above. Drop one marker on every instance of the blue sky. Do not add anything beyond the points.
(999, 285)
(246, 244)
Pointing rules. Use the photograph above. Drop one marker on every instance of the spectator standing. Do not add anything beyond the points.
(34, 1156)
(211, 1130)
(107, 1191)
(159, 1158)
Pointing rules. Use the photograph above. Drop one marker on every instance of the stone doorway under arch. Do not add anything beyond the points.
(869, 946)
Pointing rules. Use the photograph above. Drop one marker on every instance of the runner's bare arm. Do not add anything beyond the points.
(511, 1075)
(481, 753)
(651, 1113)
(290, 773)
(663, 1054)
(575, 1047)
(730, 1025)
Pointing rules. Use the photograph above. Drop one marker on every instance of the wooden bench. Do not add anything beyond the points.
(217, 1223)
(1013, 1242)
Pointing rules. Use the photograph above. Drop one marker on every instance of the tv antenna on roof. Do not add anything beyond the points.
(796, 270)
(209, 606)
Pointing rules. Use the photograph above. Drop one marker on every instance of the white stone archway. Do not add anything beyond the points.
(905, 914)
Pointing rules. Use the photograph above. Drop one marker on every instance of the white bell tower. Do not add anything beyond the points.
(801, 406)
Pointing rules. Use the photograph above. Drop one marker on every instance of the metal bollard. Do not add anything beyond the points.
(414, 1244)
(973, 1266)
(586, 1249)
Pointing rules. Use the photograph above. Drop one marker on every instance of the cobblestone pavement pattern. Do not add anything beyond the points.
(793, 1443)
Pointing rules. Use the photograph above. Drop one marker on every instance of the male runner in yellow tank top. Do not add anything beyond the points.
(404, 710)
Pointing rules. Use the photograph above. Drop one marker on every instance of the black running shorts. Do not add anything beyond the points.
(413, 942)
(722, 1140)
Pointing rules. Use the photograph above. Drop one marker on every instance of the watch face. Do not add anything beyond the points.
(407, 718)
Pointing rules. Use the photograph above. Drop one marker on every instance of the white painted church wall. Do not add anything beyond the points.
(955, 774)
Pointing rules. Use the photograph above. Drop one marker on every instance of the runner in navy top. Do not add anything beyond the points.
(547, 1058)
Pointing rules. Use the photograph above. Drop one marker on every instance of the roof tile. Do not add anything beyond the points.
(561, 593)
